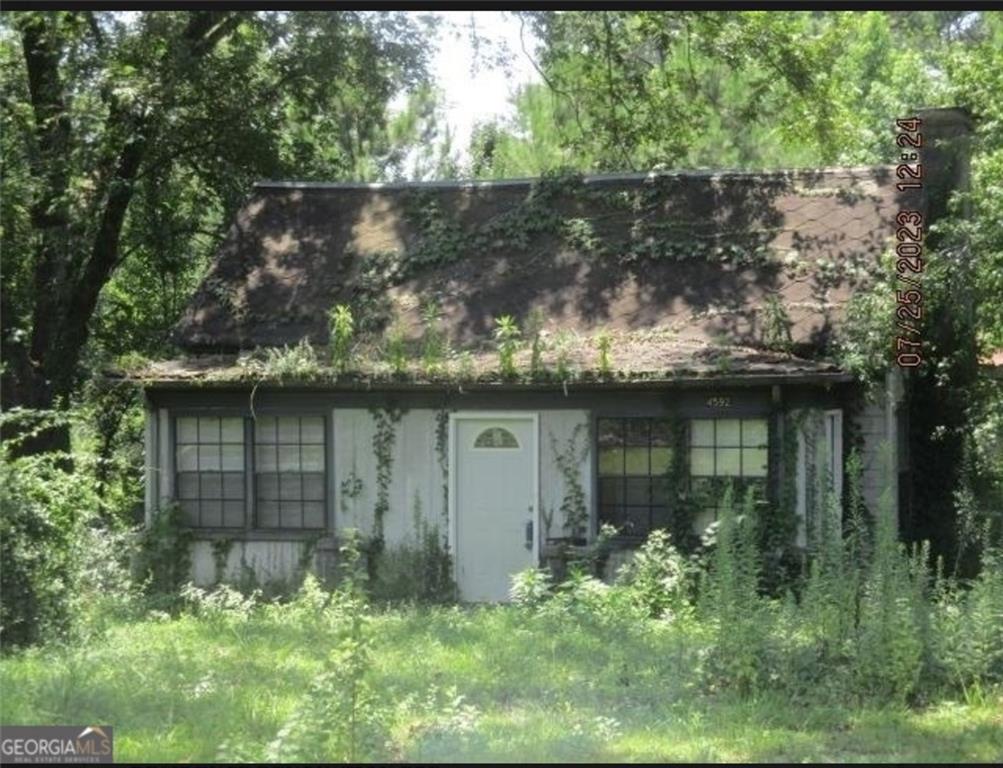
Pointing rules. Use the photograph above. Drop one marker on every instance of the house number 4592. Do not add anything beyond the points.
(719, 402)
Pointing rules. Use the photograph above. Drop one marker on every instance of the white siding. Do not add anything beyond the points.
(270, 561)
(560, 425)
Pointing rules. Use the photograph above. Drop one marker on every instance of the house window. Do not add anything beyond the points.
(635, 457)
(289, 471)
(209, 460)
(722, 452)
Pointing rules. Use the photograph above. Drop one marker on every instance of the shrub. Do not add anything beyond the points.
(342, 330)
(657, 579)
(419, 568)
(163, 556)
(507, 338)
(530, 587)
(44, 512)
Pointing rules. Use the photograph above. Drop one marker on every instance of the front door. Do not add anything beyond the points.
(494, 501)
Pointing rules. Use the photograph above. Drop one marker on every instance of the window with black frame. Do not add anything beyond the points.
(635, 458)
(209, 466)
(725, 452)
(289, 472)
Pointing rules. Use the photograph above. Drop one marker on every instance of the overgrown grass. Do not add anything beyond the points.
(222, 680)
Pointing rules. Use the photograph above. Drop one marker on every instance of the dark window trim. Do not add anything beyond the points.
(685, 414)
(249, 530)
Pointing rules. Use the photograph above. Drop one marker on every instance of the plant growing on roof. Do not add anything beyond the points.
(342, 327)
(507, 336)
(433, 346)
(396, 348)
(534, 330)
(604, 341)
(776, 325)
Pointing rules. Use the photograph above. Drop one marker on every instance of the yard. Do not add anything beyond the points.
(503, 683)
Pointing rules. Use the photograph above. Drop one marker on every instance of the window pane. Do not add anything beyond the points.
(661, 432)
(188, 430)
(727, 433)
(313, 458)
(637, 521)
(211, 513)
(754, 433)
(208, 429)
(264, 429)
(233, 430)
(702, 461)
(636, 460)
(611, 461)
(265, 460)
(232, 457)
(661, 460)
(209, 457)
(754, 462)
(268, 514)
(291, 514)
(188, 485)
(289, 429)
(637, 432)
(289, 458)
(610, 432)
(313, 429)
(188, 458)
(702, 432)
(728, 462)
(212, 485)
(660, 492)
(638, 490)
(313, 515)
(661, 518)
(233, 485)
(611, 490)
(289, 487)
(313, 487)
(190, 511)
(233, 514)
(268, 486)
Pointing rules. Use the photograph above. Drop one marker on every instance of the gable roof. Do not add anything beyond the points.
(694, 259)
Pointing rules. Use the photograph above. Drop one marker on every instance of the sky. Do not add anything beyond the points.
(485, 94)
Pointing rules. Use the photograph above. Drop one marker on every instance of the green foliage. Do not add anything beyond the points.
(530, 587)
(776, 325)
(603, 343)
(44, 512)
(569, 460)
(163, 556)
(296, 363)
(507, 335)
(384, 438)
(730, 600)
(433, 343)
(658, 578)
(342, 330)
(534, 330)
(396, 348)
(418, 568)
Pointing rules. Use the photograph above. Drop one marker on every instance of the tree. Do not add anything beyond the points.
(127, 145)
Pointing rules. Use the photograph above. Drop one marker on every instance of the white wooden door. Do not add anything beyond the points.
(493, 501)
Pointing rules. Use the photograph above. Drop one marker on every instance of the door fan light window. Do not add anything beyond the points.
(496, 437)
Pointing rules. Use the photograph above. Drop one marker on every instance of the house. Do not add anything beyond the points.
(676, 334)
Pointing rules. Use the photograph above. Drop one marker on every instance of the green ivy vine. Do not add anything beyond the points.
(384, 439)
